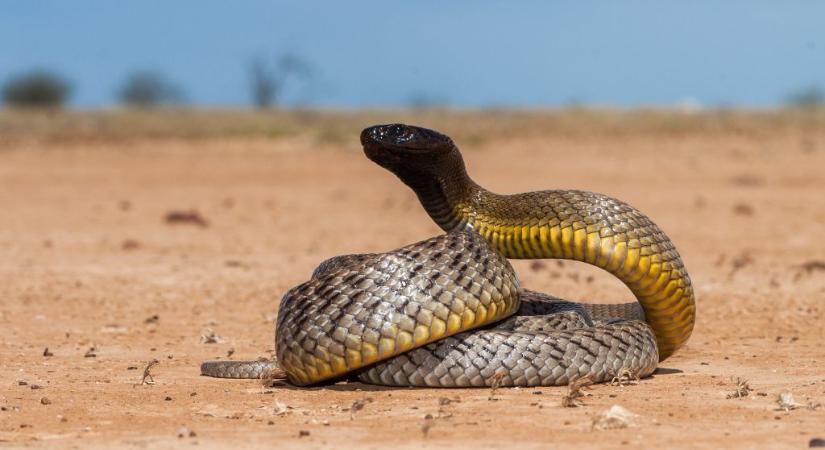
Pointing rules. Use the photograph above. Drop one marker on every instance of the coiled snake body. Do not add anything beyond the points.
(449, 311)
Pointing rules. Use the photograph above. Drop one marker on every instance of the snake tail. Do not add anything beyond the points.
(241, 369)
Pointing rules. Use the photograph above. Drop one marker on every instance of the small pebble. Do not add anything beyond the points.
(816, 443)
(45, 401)
(303, 433)
(185, 432)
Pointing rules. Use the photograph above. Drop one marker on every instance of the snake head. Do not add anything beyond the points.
(395, 145)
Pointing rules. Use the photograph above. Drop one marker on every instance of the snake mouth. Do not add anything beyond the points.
(404, 139)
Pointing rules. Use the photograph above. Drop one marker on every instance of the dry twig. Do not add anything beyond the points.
(497, 379)
(427, 425)
(358, 405)
(147, 374)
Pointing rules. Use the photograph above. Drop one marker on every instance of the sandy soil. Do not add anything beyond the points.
(93, 272)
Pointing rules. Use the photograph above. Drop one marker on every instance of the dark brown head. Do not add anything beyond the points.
(400, 147)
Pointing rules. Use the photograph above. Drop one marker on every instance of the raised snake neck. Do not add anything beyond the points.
(559, 224)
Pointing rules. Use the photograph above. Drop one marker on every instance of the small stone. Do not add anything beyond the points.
(45, 401)
(614, 418)
(786, 401)
(185, 432)
(208, 336)
(130, 244)
(47, 353)
(816, 443)
(303, 433)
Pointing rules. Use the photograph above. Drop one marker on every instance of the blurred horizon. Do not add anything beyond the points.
(367, 54)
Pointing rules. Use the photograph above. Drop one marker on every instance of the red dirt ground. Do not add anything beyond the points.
(89, 262)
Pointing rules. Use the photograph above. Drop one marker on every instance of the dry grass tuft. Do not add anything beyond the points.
(742, 388)
(575, 392)
(625, 377)
(273, 375)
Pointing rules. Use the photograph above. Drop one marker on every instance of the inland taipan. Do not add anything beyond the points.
(449, 311)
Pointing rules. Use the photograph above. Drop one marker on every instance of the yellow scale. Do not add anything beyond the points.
(658, 289)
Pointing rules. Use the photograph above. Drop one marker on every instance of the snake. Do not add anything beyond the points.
(449, 311)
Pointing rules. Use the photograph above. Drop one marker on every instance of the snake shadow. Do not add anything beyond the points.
(355, 385)
(344, 386)
(665, 371)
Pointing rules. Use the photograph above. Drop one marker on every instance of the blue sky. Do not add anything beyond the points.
(466, 53)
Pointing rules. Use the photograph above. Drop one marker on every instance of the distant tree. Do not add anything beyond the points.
(263, 84)
(267, 81)
(36, 89)
(809, 97)
(149, 89)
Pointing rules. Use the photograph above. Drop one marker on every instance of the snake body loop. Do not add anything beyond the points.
(449, 311)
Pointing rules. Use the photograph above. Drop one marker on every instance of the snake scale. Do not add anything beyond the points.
(449, 311)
